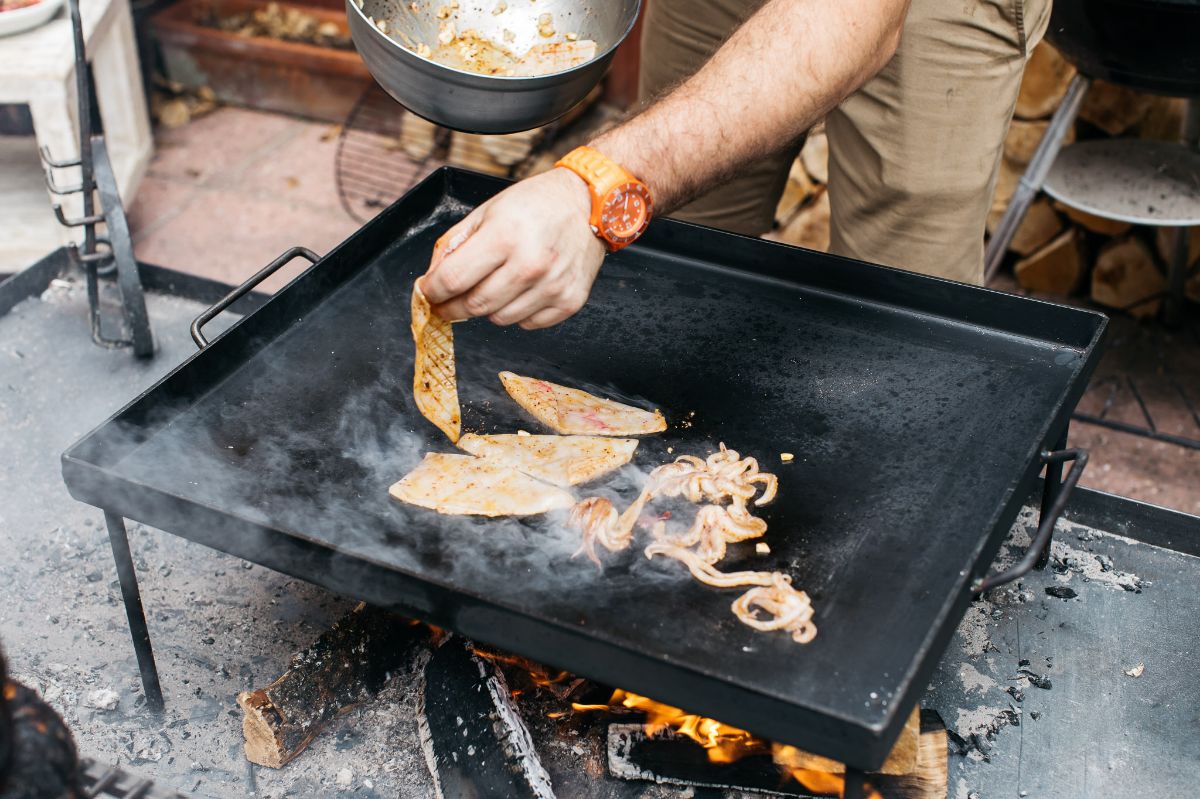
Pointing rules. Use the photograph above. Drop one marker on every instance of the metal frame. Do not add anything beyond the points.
(100, 255)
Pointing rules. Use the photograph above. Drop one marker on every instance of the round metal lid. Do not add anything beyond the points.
(1131, 180)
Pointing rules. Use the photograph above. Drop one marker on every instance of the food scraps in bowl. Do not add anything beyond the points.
(471, 51)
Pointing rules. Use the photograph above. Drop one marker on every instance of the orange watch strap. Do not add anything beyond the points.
(602, 175)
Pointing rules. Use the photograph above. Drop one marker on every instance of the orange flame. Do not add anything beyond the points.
(722, 742)
(537, 672)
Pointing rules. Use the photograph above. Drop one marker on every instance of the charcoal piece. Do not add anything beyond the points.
(1035, 715)
(347, 665)
(960, 744)
(1016, 693)
(1061, 592)
(474, 740)
(1036, 679)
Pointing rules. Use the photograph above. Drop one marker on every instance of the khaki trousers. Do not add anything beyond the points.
(913, 154)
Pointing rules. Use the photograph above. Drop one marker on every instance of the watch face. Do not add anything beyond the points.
(626, 213)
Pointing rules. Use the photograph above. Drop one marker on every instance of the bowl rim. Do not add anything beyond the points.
(40, 7)
(362, 16)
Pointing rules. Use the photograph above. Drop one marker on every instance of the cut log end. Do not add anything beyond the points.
(1056, 268)
(261, 724)
(1047, 76)
(1126, 278)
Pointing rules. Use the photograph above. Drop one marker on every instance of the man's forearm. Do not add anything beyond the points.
(781, 72)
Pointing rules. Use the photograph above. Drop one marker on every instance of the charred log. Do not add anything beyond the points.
(474, 740)
(347, 665)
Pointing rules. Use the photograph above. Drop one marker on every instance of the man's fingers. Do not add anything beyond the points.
(454, 238)
(521, 308)
(461, 268)
(547, 317)
(492, 293)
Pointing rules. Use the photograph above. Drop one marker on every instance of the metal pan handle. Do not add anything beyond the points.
(244, 289)
(1048, 520)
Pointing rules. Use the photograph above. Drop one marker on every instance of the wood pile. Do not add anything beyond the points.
(1057, 250)
(802, 216)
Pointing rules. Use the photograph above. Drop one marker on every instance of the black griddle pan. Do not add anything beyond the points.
(916, 408)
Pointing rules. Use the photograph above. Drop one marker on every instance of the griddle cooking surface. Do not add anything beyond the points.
(911, 434)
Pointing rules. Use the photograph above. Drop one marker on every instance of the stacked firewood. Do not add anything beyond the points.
(1061, 250)
(1057, 250)
(802, 216)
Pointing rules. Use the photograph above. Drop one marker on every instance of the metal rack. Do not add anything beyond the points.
(103, 781)
(112, 253)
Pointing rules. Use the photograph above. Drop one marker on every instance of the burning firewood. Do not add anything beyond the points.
(347, 665)
(473, 737)
(703, 753)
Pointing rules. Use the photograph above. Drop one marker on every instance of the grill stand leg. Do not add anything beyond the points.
(133, 609)
(856, 784)
(1035, 175)
(1050, 490)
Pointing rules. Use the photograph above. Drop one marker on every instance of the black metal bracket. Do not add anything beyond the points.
(96, 176)
(245, 288)
(1055, 495)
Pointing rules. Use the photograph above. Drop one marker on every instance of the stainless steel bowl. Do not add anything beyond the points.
(477, 103)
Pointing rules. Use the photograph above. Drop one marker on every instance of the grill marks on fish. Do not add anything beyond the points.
(570, 411)
(465, 485)
(561, 460)
(435, 386)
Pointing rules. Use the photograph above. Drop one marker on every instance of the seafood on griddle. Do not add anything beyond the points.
(561, 460)
(723, 477)
(570, 411)
(727, 484)
(435, 386)
(465, 485)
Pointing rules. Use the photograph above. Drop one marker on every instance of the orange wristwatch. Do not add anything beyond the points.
(621, 204)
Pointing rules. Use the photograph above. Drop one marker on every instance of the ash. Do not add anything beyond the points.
(219, 625)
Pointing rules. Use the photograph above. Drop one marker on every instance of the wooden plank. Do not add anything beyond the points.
(1114, 109)
(1057, 268)
(1164, 243)
(810, 227)
(798, 190)
(903, 759)
(1023, 138)
(1096, 224)
(1124, 274)
(1047, 76)
(1040, 225)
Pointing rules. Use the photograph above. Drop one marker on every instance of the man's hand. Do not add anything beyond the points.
(527, 256)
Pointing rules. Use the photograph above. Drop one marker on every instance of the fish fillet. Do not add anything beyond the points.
(573, 412)
(561, 460)
(435, 387)
(466, 485)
